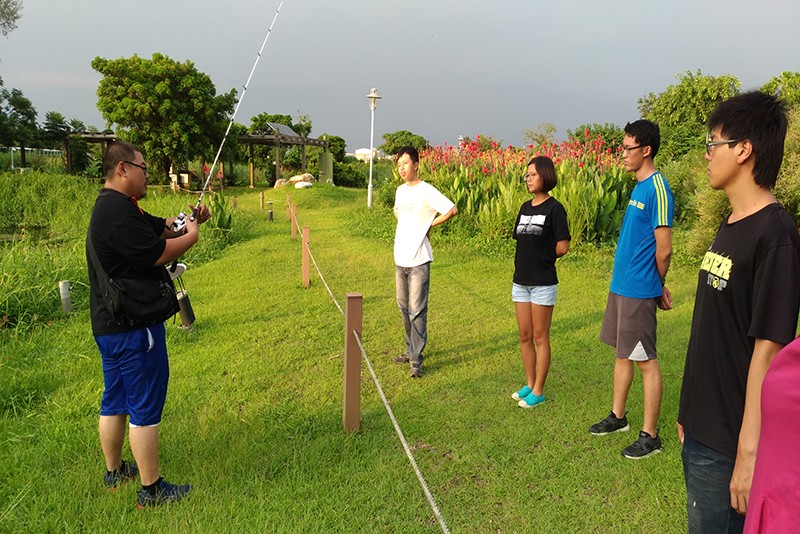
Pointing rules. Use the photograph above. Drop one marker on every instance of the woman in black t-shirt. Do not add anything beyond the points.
(542, 235)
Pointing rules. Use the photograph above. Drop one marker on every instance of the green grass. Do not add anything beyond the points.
(253, 416)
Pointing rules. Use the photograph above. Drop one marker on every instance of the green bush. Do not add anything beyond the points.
(351, 174)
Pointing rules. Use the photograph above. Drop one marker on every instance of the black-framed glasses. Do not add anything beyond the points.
(143, 167)
(710, 144)
(630, 148)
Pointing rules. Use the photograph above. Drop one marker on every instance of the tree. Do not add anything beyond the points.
(402, 138)
(169, 109)
(681, 110)
(611, 134)
(17, 121)
(786, 86)
(337, 146)
(9, 14)
(302, 125)
(544, 134)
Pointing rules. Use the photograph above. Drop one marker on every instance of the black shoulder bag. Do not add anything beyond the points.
(132, 301)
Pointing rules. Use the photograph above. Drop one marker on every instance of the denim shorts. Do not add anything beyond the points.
(540, 295)
(135, 373)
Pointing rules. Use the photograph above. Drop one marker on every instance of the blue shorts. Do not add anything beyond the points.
(541, 295)
(135, 372)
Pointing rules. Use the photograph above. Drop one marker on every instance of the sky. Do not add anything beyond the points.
(443, 68)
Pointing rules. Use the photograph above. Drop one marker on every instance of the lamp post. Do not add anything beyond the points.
(373, 103)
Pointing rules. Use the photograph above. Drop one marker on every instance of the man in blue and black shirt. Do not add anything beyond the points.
(641, 263)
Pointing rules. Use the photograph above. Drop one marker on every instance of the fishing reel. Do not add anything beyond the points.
(179, 224)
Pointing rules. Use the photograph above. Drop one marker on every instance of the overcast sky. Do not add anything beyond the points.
(443, 67)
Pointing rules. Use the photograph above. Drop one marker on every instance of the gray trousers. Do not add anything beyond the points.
(412, 285)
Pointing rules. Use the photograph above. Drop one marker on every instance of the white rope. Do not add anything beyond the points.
(308, 247)
(403, 439)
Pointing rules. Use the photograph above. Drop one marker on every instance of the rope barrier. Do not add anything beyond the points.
(386, 405)
(403, 439)
(308, 247)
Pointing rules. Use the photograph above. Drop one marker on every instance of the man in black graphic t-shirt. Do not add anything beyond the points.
(748, 295)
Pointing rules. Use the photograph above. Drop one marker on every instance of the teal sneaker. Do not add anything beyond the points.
(531, 400)
(521, 394)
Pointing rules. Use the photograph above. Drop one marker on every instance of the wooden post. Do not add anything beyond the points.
(306, 259)
(262, 201)
(351, 409)
(288, 208)
(294, 222)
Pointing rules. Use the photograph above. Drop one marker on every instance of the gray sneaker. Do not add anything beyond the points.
(643, 447)
(609, 425)
(416, 372)
(403, 358)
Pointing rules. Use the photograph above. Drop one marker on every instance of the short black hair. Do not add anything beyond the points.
(117, 151)
(761, 119)
(646, 133)
(410, 150)
(544, 166)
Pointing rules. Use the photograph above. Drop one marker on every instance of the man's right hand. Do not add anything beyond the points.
(665, 302)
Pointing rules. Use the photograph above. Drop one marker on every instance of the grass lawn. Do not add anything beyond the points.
(253, 417)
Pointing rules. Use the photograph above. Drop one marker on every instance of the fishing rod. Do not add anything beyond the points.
(180, 221)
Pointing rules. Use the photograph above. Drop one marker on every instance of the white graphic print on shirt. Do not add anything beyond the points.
(531, 224)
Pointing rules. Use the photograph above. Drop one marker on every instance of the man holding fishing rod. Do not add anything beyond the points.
(131, 244)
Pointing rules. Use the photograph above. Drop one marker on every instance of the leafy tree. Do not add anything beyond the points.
(169, 109)
(337, 146)
(786, 86)
(54, 129)
(401, 138)
(9, 14)
(258, 124)
(610, 132)
(544, 134)
(303, 125)
(17, 121)
(681, 110)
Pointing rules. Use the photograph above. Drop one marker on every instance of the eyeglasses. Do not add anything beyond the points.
(528, 176)
(710, 143)
(143, 167)
(630, 148)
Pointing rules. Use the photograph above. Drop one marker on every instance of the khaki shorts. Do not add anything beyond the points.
(629, 325)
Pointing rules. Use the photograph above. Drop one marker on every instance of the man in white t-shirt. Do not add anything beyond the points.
(416, 205)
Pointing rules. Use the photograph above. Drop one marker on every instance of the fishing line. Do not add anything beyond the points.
(235, 111)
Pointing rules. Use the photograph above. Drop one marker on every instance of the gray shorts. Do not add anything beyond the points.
(629, 325)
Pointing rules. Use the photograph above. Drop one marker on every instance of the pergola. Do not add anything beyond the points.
(104, 138)
(281, 135)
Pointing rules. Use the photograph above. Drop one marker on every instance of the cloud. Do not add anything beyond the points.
(56, 80)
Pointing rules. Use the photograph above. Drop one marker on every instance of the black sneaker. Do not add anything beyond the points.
(643, 447)
(124, 473)
(416, 372)
(403, 358)
(165, 493)
(609, 425)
